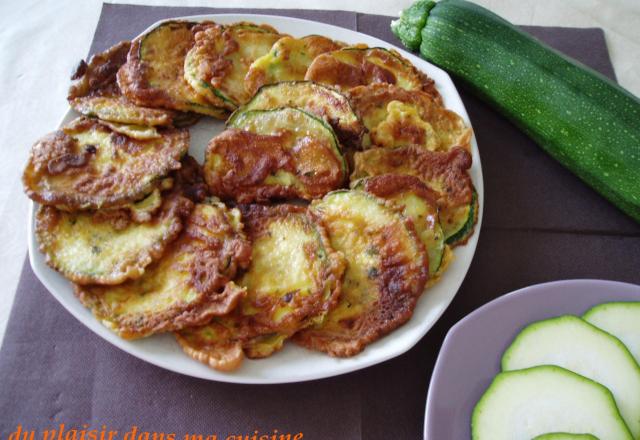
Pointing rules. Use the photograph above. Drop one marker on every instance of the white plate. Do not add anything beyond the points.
(292, 364)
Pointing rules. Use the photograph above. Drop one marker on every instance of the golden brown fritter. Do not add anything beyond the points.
(288, 60)
(94, 91)
(274, 154)
(396, 117)
(359, 66)
(86, 165)
(189, 285)
(107, 247)
(419, 205)
(443, 172)
(387, 268)
(293, 281)
(317, 99)
(153, 75)
(220, 58)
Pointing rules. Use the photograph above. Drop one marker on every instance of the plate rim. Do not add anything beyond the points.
(508, 297)
(43, 273)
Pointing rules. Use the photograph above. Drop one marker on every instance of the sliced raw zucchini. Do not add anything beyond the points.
(154, 72)
(274, 154)
(287, 60)
(574, 344)
(622, 320)
(521, 404)
(565, 436)
(319, 100)
(418, 203)
(387, 268)
(218, 62)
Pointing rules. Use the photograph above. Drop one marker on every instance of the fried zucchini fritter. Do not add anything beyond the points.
(387, 268)
(219, 60)
(293, 282)
(444, 172)
(359, 66)
(274, 154)
(189, 285)
(94, 91)
(153, 75)
(419, 204)
(107, 247)
(86, 165)
(321, 101)
(288, 60)
(397, 117)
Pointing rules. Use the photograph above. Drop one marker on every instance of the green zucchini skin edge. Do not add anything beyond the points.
(582, 119)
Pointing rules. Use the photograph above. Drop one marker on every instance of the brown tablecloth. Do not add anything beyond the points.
(540, 223)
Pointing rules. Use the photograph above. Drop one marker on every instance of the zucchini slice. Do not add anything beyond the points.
(622, 320)
(107, 247)
(565, 436)
(574, 344)
(274, 154)
(86, 165)
(395, 117)
(189, 285)
(582, 119)
(218, 62)
(154, 72)
(94, 91)
(521, 404)
(387, 268)
(358, 66)
(443, 172)
(321, 101)
(292, 282)
(418, 203)
(288, 60)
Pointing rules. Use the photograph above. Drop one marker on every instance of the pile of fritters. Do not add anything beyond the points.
(333, 197)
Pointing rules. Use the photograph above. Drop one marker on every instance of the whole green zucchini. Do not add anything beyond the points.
(585, 121)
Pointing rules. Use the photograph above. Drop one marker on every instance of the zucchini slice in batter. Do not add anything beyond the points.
(387, 268)
(94, 91)
(395, 117)
(419, 204)
(288, 60)
(218, 62)
(189, 285)
(154, 72)
(293, 281)
(107, 247)
(321, 101)
(274, 154)
(87, 165)
(359, 66)
(444, 172)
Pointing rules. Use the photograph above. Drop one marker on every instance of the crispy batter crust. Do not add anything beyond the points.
(332, 68)
(399, 280)
(388, 185)
(238, 162)
(162, 83)
(221, 62)
(444, 172)
(449, 129)
(258, 327)
(187, 287)
(293, 56)
(65, 171)
(94, 91)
